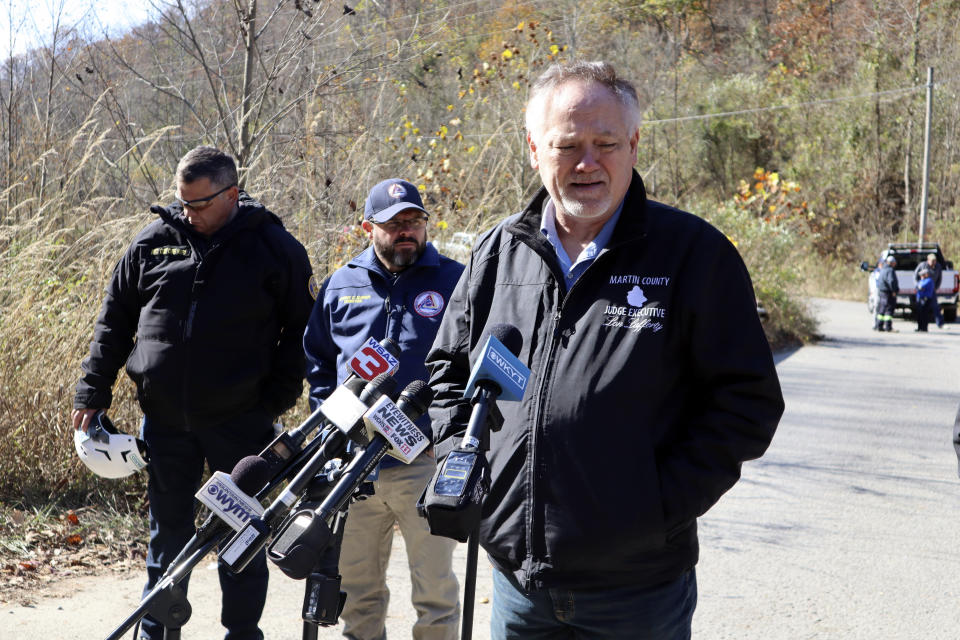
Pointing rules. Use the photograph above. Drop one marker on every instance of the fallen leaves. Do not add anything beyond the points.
(38, 550)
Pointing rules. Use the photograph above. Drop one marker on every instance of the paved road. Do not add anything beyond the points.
(847, 528)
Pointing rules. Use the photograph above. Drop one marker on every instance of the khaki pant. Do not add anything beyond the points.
(366, 551)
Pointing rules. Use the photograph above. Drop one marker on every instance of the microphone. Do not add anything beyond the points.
(257, 531)
(300, 543)
(370, 360)
(224, 496)
(375, 358)
(453, 499)
(280, 458)
(222, 492)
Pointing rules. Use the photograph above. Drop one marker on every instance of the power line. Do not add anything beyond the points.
(782, 107)
(727, 114)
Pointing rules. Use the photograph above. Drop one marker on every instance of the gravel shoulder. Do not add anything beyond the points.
(93, 606)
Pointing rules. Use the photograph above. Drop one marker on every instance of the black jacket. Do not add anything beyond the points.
(208, 328)
(651, 382)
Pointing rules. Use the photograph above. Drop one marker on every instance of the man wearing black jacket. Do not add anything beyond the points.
(206, 309)
(651, 379)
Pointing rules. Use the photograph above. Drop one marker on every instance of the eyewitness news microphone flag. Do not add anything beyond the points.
(501, 367)
(404, 437)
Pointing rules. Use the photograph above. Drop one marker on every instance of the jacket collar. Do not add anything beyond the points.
(251, 214)
(631, 226)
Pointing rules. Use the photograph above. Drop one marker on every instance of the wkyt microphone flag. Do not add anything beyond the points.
(499, 366)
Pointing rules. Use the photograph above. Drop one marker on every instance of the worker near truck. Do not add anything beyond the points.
(936, 274)
(887, 290)
(926, 298)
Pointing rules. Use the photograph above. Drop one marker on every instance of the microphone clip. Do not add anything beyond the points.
(453, 500)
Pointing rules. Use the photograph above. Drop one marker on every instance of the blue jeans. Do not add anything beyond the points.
(660, 612)
(175, 471)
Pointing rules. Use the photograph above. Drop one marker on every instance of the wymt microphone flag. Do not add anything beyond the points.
(222, 495)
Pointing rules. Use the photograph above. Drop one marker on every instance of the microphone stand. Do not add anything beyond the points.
(477, 437)
(168, 602)
(322, 598)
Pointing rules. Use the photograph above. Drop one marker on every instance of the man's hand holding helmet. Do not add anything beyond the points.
(105, 450)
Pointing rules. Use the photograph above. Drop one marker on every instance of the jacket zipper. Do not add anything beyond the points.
(528, 581)
(194, 291)
(194, 301)
(391, 283)
(188, 325)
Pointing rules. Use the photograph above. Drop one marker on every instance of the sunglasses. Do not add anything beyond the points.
(201, 203)
(414, 224)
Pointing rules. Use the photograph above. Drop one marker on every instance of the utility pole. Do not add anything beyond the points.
(926, 159)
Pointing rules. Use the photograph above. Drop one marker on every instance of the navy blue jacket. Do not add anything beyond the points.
(651, 382)
(887, 282)
(925, 289)
(363, 300)
(209, 329)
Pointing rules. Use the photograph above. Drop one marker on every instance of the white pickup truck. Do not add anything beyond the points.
(908, 256)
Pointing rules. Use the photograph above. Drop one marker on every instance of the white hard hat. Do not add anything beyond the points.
(108, 452)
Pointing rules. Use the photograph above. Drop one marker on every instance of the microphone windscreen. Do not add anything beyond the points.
(391, 345)
(509, 336)
(383, 385)
(417, 396)
(251, 474)
(355, 385)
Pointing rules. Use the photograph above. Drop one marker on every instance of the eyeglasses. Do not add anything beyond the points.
(199, 204)
(413, 224)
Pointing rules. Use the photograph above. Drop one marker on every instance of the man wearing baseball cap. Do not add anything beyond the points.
(397, 288)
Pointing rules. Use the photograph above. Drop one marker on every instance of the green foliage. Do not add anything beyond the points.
(770, 224)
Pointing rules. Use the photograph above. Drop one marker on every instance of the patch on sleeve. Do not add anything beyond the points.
(313, 287)
(177, 252)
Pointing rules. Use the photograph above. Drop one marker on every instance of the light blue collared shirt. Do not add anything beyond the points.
(572, 270)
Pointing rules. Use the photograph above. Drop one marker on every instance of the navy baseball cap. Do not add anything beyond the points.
(389, 198)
